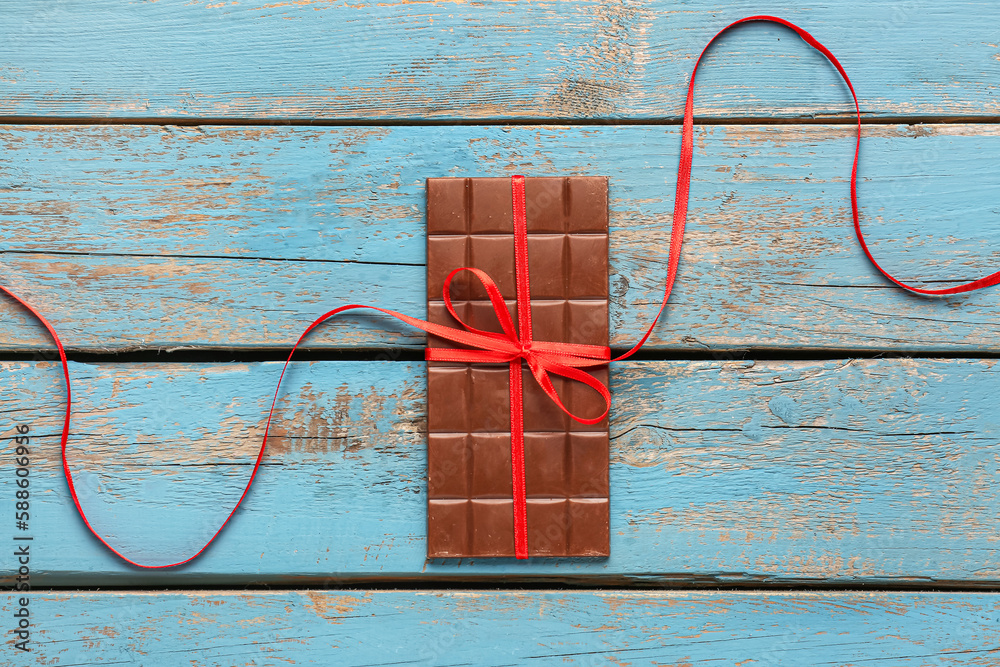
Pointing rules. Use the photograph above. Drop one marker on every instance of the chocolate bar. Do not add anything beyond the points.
(469, 490)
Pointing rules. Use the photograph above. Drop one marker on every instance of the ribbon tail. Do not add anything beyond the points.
(541, 373)
(517, 470)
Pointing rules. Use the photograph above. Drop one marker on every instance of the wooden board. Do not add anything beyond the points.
(494, 628)
(211, 175)
(436, 61)
(149, 238)
(874, 471)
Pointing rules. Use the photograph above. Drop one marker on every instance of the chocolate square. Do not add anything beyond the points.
(470, 507)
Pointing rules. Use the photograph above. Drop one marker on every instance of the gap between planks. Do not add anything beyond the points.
(511, 583)
(187, 355)
(818, 119)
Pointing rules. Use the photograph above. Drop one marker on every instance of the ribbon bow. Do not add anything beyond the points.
(542, 357)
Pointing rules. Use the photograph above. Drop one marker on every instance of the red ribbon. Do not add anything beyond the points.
(511, 347)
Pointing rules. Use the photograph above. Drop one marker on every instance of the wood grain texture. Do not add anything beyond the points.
(494, 629)
(873, 471)
(324, 59)
(733, 473)
(147, 238)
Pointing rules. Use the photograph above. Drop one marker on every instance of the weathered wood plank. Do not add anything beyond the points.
(841, 471)
(311, 60)
(142, 237)
(540, 627)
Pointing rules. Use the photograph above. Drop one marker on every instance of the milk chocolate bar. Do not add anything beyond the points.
(469, 490)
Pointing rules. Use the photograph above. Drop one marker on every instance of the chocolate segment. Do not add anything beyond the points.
(470, 504)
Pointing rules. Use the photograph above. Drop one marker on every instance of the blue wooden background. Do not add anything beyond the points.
(803, 462)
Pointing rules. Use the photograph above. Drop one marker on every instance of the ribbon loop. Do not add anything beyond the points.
(496, 300)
